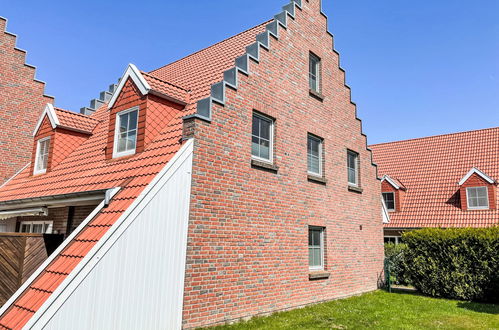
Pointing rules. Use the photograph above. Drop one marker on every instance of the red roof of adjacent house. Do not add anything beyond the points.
(430, 169)
(86, 168)
(75, 121)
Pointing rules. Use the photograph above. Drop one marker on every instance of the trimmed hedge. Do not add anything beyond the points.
(461, 263)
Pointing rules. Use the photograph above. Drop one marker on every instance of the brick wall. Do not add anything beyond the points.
(477, 181)
(248, 232)
(22, 100)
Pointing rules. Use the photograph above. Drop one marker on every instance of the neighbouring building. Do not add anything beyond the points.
(442, 181)
(22, 99)
(233, 182)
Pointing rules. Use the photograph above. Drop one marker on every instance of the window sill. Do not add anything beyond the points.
(318, 275)
(315, 94)
(316, 178)
(356, 189)
(263, 165)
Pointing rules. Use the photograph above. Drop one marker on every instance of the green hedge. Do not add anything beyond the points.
(395, 263)
(458, 263)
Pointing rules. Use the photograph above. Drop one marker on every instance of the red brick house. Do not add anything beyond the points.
(440, 181)
(233, 182)
(22, 99)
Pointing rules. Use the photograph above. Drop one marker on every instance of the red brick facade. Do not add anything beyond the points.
(22, 100)
(248, 233)
(476, 181)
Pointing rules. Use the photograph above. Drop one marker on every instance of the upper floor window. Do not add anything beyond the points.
(389, 198)
(262, 136)
(314, 73)
(353, 167)
(478, 198)
(42, 155)
(125, 134)
(39, 227)
(316, 248)
(314, 155)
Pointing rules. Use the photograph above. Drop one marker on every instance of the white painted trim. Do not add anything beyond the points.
(390, 181)
(139, 80)
(38, 211)
(321, 141)
(36, 171)
(85, 266)
(50, 112)
(384, 211)
(394, 200)
(37, 222)
(477, 207)
(51, 258)
(117, 154)
(16, 174)
(475, 170)
(357, 172)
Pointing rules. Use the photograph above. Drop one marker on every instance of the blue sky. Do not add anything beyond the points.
(416, 68)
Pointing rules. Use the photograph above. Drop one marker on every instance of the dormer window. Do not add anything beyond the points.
(389, 198)
(42, 155)
(478, 198)
(125, 134)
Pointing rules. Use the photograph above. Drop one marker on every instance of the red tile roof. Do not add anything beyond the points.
(86, 168)
(75, 121)
(430, 168)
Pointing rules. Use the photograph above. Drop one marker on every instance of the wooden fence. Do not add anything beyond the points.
(20, 256)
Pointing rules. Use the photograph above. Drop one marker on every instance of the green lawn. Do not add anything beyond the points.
(382, 310)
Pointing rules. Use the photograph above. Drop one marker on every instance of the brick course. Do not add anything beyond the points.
(22, 100)
(247, 248)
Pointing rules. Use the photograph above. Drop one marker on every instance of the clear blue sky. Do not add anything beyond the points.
(416, 68)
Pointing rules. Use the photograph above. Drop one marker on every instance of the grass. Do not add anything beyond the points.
(381, 310)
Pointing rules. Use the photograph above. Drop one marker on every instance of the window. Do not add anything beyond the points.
(42, 155)
(389, 198)
(316, 248)
(314, 155)
(478, 198)
(125, 134)
(262, 137)
(353, 168)
(38, 227)
(393, 239)
(314, 72)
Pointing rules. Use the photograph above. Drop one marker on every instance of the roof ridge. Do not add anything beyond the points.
(75, 113)
(434, 136)
(219, 42)
(164, 81)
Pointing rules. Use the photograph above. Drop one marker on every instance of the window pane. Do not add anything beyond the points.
(264, 149)
(122, 142)
(351, 176)
(317, 257)
(25, 228)
(255, 148)
(265, 129)
(311, 257)
(131, 139)
(255, 129)
(37, 228)
(132, 120)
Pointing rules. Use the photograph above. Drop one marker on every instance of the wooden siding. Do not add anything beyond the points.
(20, 255)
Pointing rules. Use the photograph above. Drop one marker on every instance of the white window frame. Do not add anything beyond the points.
(397, 238)
(314, 137)
(394, 201)
(317, 87)
(322, 229)
(117, 154)
(271, 138)
(356, 184)
(37, 156)
(31, 223)
(477, 207)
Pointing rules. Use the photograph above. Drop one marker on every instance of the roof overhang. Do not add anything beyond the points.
(49, 111)
(37, 211)
(133, 73)
(80, 198)
(391, 181)
(476, 171)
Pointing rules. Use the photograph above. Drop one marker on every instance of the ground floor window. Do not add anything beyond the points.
(316, 248)
(393, 239)
(38, 227)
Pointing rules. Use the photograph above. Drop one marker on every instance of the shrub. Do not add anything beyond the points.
(395, 260)
(460, 263)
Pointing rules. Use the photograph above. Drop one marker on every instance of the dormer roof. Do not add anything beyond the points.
(66, 119)
(476, 171)
(394, 182)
